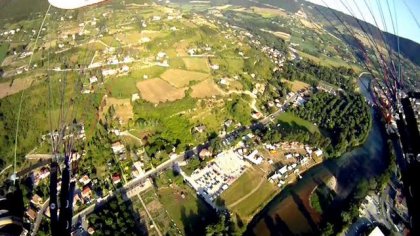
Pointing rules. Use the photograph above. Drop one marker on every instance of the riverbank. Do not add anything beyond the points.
(290, 211)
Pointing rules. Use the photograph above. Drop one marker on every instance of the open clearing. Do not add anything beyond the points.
(248, 194)
(181, 48)
(311, 25)
(205, 89)
(17, 86)
(3, 51)
(248, 207)
(123, 108)
(269, 12)
(242, 186)
(134, 37)
(181, 208)
(181, 78)
(296, 85)
(282, 35)
(293, 120)
(197, 64)
(158, 90)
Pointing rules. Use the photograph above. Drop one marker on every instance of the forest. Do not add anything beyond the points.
(345, 118)
(118, 218)
(310, 72)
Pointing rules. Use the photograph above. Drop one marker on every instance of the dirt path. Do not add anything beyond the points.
(149, 215)
(249, 194)
(253, 96)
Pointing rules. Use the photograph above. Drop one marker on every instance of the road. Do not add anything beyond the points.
(6, 168)
(169, 163)
(39, 216)
(39, 156)
(131, 184)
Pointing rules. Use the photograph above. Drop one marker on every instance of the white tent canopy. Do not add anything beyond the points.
(72, 4)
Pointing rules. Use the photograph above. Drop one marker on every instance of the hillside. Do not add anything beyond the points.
(408, 48)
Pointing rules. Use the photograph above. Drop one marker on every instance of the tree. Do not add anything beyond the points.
(328, 230)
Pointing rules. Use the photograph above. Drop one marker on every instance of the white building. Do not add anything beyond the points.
(93, 79)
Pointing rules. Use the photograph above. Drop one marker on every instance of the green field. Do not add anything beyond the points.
(326, 61)
(256, 201)
(293, 120)
(242, 186)
(122, 87)
(252, 182)
(3, 51)
(190, 213)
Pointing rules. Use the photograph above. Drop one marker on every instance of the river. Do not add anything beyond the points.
(290, 212)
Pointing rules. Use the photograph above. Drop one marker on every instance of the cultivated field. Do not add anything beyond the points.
(181, 48)
(205, 89)
(310, 25)
(181, 78)
(296, 85)
(282, 35)
(123, 108)
(197, 64)
(18, 85)
(269, 12)
(158, 90)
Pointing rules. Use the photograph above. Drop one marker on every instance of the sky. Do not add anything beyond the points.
(406, 25)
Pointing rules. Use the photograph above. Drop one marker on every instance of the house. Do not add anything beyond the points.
(214, 67)
(304, 160)
(282, 170)
(93, 79)
(224, 81)
(128, 59)
(200, 128)
(137, 168)
(160, 55)
(44, 173)
(318, 152)
(109, 72)
(125, 68)
(204, 154)
(308, 150)
(84, 180)
(86, 192)
(31, 213)
(228, 123)
(253, 158)
(191, 51)
(37, 200)
(118, 148)
(135, 97)
(145, 40)
(257, 115)
(91, 230)
(116, 178)
(288, 156)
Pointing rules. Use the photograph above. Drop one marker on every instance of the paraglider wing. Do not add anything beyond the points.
(73, 4)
